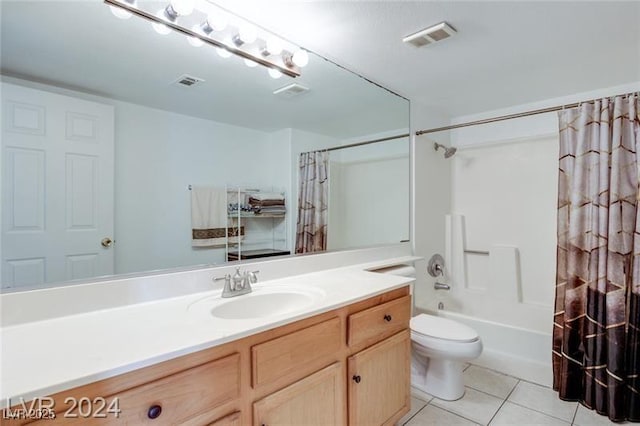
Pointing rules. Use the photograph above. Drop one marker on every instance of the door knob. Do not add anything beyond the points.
(106, 242)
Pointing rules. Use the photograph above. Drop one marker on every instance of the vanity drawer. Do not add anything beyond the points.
(182, 395)
(379, 322)
(297, 354)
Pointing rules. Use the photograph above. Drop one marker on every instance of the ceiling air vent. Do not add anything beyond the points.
(291, 90)
(186, 80)
(430, 35)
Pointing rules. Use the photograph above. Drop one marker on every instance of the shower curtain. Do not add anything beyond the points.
(313, 199)
(596, 334)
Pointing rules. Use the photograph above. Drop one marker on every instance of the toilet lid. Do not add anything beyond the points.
(442, 328)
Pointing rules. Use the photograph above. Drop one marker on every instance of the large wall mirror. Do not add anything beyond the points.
(108, 128)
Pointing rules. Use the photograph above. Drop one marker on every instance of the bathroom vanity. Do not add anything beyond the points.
(345, 359)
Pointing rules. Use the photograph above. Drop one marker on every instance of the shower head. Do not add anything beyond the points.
(448, 151)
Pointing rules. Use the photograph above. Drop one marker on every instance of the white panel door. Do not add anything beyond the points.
(57, 187)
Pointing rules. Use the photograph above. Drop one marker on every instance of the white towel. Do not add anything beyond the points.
(209, 218)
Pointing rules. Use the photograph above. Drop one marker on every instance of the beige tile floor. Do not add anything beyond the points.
(492, 398)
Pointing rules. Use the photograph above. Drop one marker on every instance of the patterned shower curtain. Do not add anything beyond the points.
(596, 334)
(313, 200)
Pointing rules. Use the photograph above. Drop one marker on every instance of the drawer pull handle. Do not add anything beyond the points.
(357, 379)
(387, 318)
(154, 412)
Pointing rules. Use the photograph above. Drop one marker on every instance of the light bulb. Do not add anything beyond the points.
(223, 53)
(274, 46)
(250, 63)
(182, 7)
(274, 73)
(161, 28)
(300, 58)
(247, 33)
(120, 13)
(195, 41)
(216, 21)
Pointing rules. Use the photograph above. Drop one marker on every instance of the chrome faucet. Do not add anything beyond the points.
(239, 284)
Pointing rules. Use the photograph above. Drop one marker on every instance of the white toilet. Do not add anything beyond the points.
(439, 349)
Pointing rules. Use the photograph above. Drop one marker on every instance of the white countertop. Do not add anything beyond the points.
(44, 357)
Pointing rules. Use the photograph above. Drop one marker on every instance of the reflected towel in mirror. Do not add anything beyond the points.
(209, 218)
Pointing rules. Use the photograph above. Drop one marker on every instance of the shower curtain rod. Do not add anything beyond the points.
(510, 116)
(351, 145)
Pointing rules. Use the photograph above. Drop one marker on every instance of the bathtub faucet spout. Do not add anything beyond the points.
(441, 286)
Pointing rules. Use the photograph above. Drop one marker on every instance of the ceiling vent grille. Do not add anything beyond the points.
(186, 80)
(291, 90)
(430, 35)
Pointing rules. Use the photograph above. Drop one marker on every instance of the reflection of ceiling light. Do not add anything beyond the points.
(223, 53)
(250, 63)
(120, 13)
(203, 23)
(274, 73)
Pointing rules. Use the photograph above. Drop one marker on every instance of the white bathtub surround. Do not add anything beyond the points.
(135, 330)
(520, 352)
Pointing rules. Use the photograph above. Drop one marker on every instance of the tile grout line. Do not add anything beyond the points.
(546, 414)
(575, 414)
(416, 413)
(455, 414)
(503, 402)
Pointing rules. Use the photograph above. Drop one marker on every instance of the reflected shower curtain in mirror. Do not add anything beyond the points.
(313, 200)
(596, 335)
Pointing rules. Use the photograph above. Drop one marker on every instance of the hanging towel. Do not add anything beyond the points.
(209, 218)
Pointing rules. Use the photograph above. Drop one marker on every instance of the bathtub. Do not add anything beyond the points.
(516, 351)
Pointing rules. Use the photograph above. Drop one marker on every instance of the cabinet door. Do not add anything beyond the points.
(315, 400)
(379, 379)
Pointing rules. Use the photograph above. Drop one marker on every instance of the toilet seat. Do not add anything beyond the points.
(434, 327)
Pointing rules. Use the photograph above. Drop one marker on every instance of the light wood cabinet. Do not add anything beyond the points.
(379, 382)
(297, 354)
(317, 400)
(381, 321)
(232, 419)
(297, 374)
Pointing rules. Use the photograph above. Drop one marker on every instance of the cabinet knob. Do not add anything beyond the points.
(387, 318)
(357, 379)
(154, 411)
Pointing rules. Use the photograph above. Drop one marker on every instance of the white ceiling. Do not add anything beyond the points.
(505, 53)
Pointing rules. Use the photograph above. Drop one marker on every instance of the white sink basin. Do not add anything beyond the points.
(263, 302)
(262, 305)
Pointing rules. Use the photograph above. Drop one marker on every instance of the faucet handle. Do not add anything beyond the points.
(253, 278)
(227, 277)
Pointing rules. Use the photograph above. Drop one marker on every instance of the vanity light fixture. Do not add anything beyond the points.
(204, 23)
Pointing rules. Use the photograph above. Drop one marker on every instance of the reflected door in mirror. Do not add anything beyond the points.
(57, 187)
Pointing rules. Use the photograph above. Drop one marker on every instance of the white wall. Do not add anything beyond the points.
(431, 198)
(369, 191)
(158, 154)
